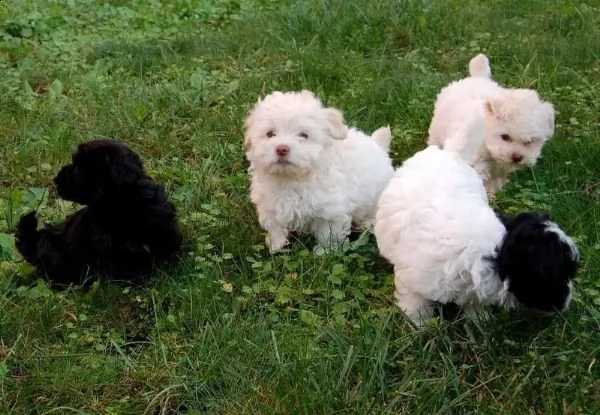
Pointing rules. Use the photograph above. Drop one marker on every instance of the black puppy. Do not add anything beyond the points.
(127, 226)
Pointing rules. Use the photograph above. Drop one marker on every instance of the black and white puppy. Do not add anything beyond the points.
(447, 245)
(127, 226)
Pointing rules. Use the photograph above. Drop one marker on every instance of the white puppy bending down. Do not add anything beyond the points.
(517, 122)
(447, 245)
(310, 173)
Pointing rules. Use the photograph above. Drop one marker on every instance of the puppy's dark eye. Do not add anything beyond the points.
(505, 137)
(271, 133)
(303, 135)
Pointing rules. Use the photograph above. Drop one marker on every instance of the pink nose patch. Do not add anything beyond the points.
(282, 150)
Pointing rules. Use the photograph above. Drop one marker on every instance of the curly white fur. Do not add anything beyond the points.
(517, 122)
(435, 226)
(310, 173)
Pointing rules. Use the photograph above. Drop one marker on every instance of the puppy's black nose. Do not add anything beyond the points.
(516, 157)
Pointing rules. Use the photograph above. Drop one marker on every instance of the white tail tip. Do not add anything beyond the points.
(383, 137)
(480, 66)
(467, 141)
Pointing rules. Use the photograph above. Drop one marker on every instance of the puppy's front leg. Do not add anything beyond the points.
(277, 234)
(490, 182)
(27, 237)
(45, 250)
(276, 239)
(493, 184)
(331, 233)
(416, 307)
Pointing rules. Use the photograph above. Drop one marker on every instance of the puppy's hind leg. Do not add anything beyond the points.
(416, 307)
(129, 263)
(364, 218)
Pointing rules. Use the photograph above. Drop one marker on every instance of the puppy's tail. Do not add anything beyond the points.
(469, 140)
(27, 237)
(480, 66)
(383, 137)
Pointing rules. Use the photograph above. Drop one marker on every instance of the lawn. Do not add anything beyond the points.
(230, 329)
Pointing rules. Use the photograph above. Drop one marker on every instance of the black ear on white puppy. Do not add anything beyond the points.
(537, 261)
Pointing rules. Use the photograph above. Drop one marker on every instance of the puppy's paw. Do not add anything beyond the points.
(331, 246)
(276, 242)
(27, 223)
(418, 309)
(27, 236)
(319, 250)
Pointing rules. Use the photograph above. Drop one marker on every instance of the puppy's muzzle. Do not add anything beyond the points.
(63, 182)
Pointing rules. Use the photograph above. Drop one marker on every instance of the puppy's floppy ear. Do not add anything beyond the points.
(84, 148)
(247, 124)
(125, 166)
(548, 110)
(335, 123)
(494, 107)
(247, 141)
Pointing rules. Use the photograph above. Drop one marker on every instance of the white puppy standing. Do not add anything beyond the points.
(434, 224)
(517, 122)
(310, 172)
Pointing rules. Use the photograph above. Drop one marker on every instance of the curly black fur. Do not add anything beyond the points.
(127, 226)
(537, 260)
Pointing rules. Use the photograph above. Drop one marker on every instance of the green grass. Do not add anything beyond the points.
(230, 329)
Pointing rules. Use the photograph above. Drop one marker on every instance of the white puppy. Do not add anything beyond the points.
(517, 122)
(310, 173)
(447, 244)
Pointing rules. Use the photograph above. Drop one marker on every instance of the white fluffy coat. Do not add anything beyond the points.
(310, 173)
(435, 226)
(517, 122)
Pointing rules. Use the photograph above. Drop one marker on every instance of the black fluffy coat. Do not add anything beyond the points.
(127, 226)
